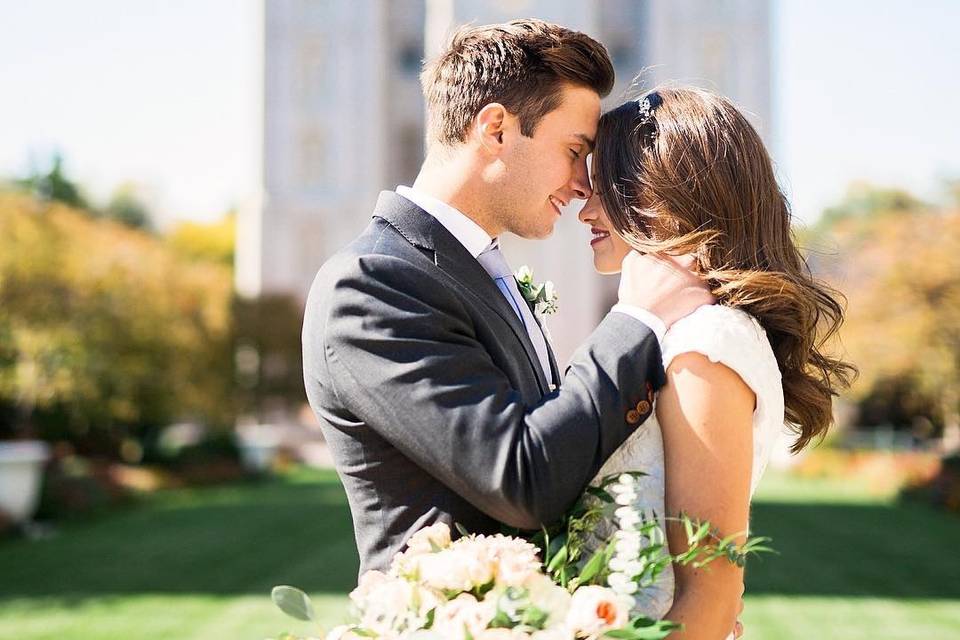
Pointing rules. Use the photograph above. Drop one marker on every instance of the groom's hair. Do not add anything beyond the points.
(521, 65)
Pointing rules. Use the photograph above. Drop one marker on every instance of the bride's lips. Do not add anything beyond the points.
(599, 235)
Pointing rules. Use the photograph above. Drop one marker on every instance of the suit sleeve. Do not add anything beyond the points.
(402, 355)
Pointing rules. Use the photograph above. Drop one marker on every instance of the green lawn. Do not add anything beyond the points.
(200, 564)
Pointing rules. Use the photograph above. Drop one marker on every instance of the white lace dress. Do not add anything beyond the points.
(735, 339)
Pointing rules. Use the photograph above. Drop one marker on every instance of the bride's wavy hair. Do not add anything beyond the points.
(681, 170)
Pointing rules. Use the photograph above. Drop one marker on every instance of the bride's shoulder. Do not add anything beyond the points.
(726, 335)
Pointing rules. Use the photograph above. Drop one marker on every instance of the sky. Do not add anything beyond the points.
(166, 95)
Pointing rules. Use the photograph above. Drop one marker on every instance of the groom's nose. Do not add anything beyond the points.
(580, 182)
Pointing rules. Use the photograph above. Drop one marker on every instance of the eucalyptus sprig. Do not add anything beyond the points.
(564, 545)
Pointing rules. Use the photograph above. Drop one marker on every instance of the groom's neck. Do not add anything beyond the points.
(456, 182)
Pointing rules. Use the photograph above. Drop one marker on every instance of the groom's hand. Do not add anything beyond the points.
(666, 286)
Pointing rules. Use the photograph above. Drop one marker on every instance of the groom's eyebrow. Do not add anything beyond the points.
(585, 139)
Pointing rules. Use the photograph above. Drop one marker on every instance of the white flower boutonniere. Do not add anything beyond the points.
(542, 295)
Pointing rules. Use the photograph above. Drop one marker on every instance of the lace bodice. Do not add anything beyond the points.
(735, 339)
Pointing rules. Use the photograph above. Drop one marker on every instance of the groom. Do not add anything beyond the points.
(429, 373)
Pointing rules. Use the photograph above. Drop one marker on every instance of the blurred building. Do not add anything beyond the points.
(343, 119)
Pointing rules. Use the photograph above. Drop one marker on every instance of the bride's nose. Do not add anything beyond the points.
(590, 211)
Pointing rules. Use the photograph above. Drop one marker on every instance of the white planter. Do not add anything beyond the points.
(21, 472)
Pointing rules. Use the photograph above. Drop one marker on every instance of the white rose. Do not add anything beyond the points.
(428, 539)
(516, 570)
(428, 599)
(343, 632)
(462, 613)
(558, 632)
(595, 609)
(513, 560)
(424, 634)
(502, 634)
(368, 583)
(453, 570)
(549, 597)
(388, 607)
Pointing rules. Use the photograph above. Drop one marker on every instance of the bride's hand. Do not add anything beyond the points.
(666, 286)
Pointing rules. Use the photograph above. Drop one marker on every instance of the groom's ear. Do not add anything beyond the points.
(490, 125)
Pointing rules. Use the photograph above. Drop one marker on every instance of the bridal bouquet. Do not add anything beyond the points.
(497, 588)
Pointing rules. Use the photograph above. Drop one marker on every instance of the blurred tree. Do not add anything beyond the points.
(213, 242)
(127, 209)
(952, 187)
(902, 276)
(55, 185)
(105, 332)
(864, 200)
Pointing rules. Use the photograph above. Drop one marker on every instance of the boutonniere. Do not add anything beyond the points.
(541, 295)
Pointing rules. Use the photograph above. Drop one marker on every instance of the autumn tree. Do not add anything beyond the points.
(104, 330)
(899, 265)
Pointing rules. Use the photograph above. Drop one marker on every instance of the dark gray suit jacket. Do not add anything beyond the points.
(431, 397)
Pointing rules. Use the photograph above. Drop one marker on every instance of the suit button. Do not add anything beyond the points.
(643, 406)
(633, 416)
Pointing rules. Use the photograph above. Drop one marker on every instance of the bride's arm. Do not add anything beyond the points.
(706, 414)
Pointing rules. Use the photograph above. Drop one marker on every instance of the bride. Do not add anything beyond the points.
(681, 171)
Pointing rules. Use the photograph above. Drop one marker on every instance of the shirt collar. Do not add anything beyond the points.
(471, 235)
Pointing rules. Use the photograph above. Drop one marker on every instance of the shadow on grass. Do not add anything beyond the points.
(242, 539)
(896, 551)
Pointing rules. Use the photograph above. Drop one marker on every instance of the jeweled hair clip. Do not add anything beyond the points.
(645, 112)
(646, 105)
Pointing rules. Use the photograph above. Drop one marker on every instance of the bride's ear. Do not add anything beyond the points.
(489, 127)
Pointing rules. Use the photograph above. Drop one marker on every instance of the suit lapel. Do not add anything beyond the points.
(424, 231)
(554, 368)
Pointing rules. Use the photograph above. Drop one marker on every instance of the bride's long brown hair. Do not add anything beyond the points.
(681, 170)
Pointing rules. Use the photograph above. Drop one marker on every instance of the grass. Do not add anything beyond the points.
(200, 564)
(852, 565)
(184, 564)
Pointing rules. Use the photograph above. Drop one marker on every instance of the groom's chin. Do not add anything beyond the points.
(540, 233)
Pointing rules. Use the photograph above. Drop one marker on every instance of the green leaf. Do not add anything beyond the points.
(600, 493)
(559, 559)
(596, 564)
(463, 530)
(293, 602)
(701, 532)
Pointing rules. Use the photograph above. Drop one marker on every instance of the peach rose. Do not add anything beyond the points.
(595, 609)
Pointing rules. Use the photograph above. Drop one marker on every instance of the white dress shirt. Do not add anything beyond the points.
(475, 240)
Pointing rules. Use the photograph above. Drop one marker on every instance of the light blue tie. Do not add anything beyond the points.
(496, 265)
